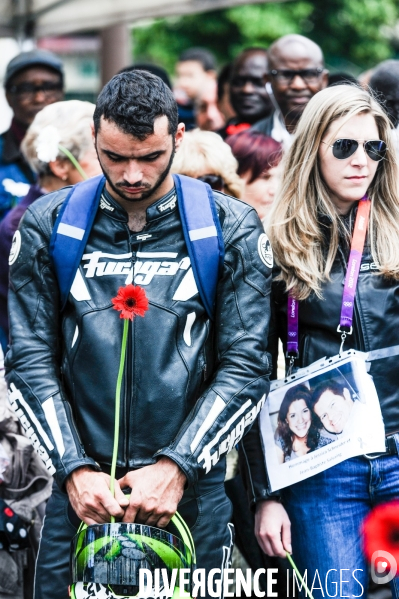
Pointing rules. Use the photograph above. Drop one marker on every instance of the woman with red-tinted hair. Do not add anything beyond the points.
(258, 158)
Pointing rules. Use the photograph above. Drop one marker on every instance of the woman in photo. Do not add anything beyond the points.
(298, 429)
(341, 155)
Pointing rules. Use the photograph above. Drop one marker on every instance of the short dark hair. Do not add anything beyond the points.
(151, 68)
(201, 55)
(253, 50)
(332, 385)
(133, 101)
(247, 52)
(384, 82)
(385, 77)
(341, 78)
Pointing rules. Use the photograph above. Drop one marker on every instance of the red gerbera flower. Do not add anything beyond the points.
(381, 530)
(131, 301)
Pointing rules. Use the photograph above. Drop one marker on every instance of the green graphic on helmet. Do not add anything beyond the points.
(106, 559)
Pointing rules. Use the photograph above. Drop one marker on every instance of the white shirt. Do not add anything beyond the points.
(279, 131)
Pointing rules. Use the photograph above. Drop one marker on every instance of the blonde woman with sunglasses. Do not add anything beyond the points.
(342, 152)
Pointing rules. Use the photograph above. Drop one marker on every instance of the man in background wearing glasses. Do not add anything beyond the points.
(32, 81)
(296, 73)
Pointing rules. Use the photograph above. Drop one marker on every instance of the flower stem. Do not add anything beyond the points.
(117, 408)
(72, 158)
(303, 583)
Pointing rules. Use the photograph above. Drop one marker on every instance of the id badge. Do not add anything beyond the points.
(320, 416)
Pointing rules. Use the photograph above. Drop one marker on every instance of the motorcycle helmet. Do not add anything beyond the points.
(106, 560)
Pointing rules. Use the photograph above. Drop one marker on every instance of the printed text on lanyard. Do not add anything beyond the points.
(345, 326)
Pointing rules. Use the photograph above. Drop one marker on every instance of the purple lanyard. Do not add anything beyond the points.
(348, 299)
(293, 328)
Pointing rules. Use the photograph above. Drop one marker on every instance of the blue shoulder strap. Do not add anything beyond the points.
(72, 229)
(203, 236)
(200, 223)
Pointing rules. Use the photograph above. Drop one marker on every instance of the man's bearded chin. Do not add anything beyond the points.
(149, 192)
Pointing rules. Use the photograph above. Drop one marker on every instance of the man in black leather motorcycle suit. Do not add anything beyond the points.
(192, 387)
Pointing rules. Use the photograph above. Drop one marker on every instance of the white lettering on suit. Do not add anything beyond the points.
(101, 264)
(233, 437)
(15, 396)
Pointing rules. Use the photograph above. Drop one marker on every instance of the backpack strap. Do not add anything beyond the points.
(72, 229)
(200, 223)
(202, 234)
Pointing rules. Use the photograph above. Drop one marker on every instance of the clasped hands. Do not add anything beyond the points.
(155, 493)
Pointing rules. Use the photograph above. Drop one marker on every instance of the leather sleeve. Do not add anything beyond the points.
(251, 458)
(238, 389)
(274, 329)
(253, 468)
(33, 362)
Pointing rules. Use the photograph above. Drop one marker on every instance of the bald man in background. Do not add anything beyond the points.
(295, 74)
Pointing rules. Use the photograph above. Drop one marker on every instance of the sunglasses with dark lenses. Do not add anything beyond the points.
(287, 76)
(240, 81)
(344, 148)
(214, 181)
(48, 88)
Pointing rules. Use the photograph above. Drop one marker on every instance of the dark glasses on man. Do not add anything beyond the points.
(214, 181)
(344, 148)
(29, 90)
(287, 76)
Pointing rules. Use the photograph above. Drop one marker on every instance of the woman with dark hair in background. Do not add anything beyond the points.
(258, 159)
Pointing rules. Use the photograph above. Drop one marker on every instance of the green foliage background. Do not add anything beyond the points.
(354, 34)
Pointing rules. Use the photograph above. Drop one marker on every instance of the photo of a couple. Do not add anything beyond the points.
(319, 416)
(311, 417)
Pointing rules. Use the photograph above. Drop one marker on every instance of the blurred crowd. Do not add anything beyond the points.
(239, 121)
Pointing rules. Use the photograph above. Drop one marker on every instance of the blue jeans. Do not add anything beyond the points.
(327, 511)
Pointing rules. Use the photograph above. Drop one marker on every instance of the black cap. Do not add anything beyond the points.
(30, 59)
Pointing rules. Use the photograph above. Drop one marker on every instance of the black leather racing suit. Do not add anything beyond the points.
(191, 388)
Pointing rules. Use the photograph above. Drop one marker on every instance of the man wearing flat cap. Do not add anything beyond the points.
(32, 81)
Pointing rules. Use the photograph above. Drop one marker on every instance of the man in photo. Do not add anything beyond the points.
(332, 403)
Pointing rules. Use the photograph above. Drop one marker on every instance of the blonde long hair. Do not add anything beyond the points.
(205, 152)
(294, 229)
